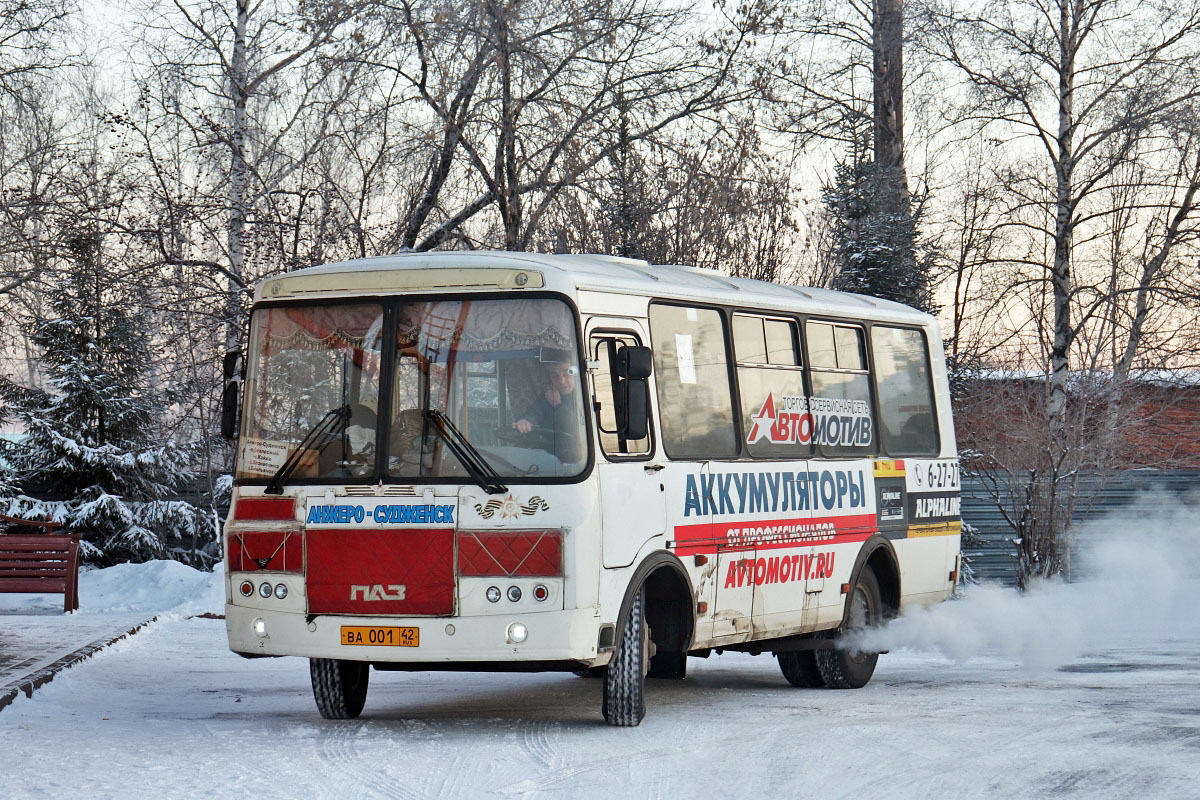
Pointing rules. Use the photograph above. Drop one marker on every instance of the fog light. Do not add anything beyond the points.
(247, 588)
(280, 591)
(260, 628)
(540, 593)
(264, 590)
(493, 594)
(517, 633)
(514, 593)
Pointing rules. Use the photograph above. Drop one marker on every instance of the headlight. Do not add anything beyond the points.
(260, 628)
(280, 591)
(514, 594)
(264, 590)
(493, 594)
(517, 633)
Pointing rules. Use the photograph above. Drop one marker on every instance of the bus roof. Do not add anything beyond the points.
(599, 273)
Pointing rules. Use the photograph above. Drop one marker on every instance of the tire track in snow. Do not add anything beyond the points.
(537, 744)
(562, 777)
(220, 731)
(459, 770)
(333, 747)
(338, 748)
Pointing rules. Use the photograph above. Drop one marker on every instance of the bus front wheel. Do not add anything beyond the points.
(624, 702)
(339, 687)
(848, 668)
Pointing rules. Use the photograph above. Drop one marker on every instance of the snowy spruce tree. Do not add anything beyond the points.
(877, 248)
(92, 438)
(876, 241)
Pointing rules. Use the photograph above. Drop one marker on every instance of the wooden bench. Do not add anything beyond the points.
(41, 562)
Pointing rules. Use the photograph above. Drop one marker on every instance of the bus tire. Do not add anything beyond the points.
(852, 669)
(624, 702)
(339, 687)
(800, 668)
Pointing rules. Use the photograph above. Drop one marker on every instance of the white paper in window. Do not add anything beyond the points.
(687, 362)
(692, 316)
(262, 456)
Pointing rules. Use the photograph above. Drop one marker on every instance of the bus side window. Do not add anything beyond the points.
(771, 383)
(604, 349)
(691, 373)
(842, 422)
(902, 382)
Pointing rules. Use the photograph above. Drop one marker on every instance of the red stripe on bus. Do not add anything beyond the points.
(773, 534)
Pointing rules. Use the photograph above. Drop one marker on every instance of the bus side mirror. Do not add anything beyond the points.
(231, 365)
(633, 367)
(634, 362)
(231, 369)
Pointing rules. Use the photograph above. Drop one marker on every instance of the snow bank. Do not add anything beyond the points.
(155, 587)
(1142, 564)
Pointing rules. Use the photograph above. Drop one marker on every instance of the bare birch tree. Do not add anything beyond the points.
(29, 43)
(721, 200)
(29, 130)
(525, 92)
(1076, 90)
(252, 85)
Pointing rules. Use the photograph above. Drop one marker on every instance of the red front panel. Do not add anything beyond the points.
(393, 572)
(277, 551)
(510, 553)
(265, 508)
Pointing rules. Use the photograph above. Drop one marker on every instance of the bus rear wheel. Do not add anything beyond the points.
(843, 668)
(339, 687)
(800, 668)
(624, 702)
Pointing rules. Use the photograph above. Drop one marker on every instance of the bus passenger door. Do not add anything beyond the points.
(689, 521)
(632, 496)
(736, 574)
(787, 587)
(732, 611)
(721, 569)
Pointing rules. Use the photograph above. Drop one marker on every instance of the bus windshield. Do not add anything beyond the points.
(504, 372)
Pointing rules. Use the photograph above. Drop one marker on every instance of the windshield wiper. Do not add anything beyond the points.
(327, 424)
(484, 473)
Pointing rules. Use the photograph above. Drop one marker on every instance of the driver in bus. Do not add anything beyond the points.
(552, 420)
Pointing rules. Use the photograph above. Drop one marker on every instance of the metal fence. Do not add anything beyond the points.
(1099, 499)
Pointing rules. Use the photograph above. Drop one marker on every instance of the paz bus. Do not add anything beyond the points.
(508, 461)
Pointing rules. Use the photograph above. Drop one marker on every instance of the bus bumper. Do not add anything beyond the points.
(552, 636)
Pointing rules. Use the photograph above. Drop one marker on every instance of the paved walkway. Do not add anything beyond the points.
(34, 647)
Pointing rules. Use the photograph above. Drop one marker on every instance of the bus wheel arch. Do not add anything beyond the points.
(669, 610)
(878, 553)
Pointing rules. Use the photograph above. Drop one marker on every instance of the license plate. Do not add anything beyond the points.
(372, 635)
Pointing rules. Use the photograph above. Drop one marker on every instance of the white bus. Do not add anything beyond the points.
(507, 461)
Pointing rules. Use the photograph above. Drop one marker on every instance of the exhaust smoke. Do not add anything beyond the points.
(1137, 580)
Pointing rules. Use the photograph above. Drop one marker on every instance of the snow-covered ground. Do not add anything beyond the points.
(1087, 690)
(170, 712)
